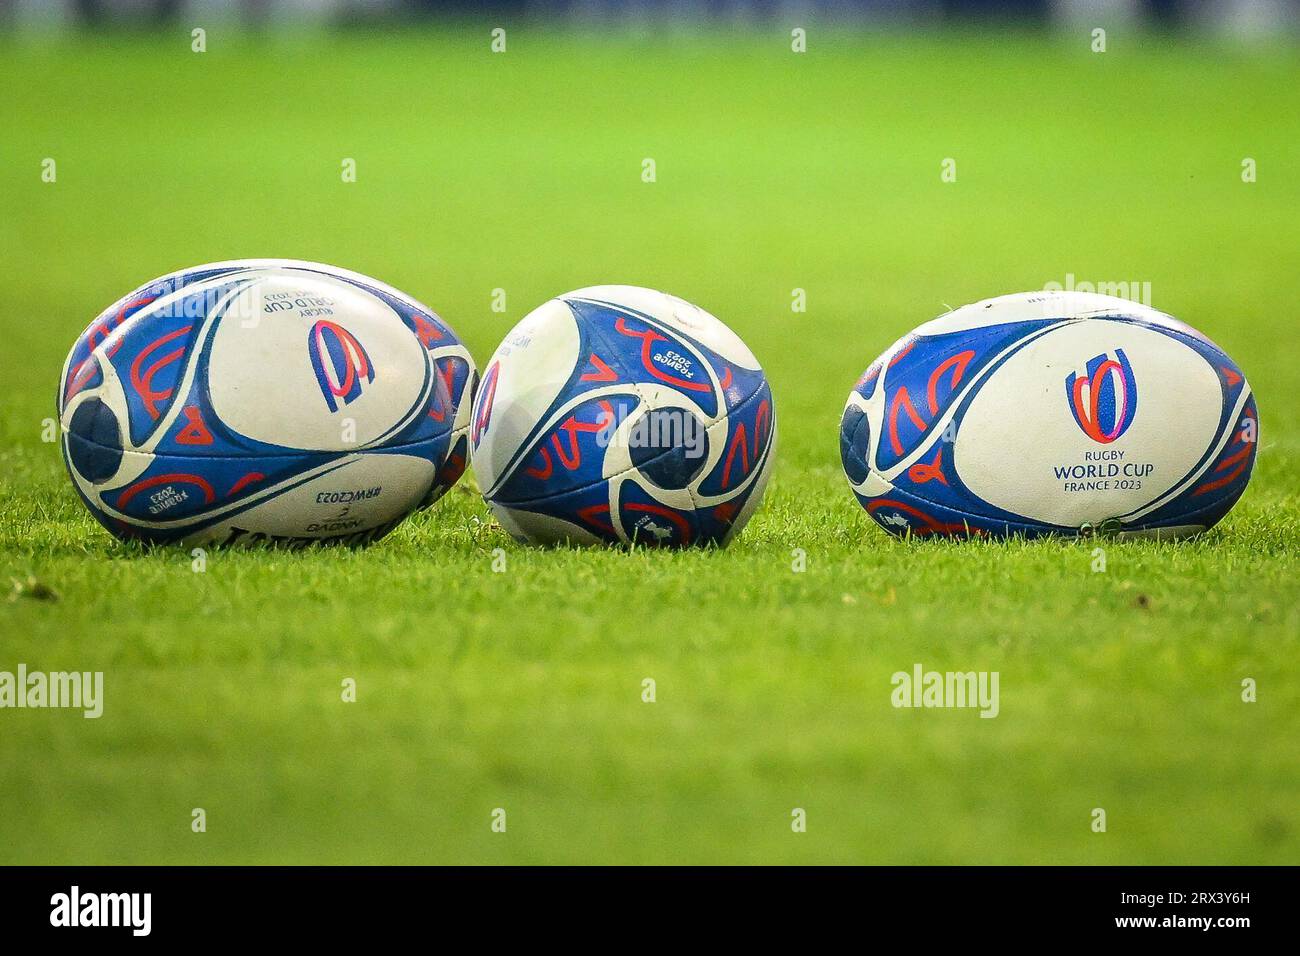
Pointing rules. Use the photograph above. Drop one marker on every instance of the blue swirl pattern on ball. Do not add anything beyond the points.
(650, 436)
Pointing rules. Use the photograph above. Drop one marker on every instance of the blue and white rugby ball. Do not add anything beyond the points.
(623, 415)
(1050, 413)
(264, 400)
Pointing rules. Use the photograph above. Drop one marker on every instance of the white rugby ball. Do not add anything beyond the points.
(623, 415)
(1050, 413)
(262, 400)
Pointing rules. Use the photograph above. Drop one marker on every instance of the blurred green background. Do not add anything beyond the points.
(775, 171)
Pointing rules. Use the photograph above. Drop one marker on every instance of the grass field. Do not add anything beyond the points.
(478, 690)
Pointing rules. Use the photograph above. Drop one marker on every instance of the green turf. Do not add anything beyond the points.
(522, 689)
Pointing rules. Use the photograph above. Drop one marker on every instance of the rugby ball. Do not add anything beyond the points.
(1050, 413)
(264, 400)
(623, 415)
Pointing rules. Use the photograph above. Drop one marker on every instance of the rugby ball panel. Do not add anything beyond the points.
(677, 314)
(529, 371)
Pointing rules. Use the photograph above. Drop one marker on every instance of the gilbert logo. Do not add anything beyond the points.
(75, 908)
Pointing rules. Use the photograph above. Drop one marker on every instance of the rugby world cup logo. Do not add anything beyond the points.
(341, 364)
(1103, 400)
(483, 407)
